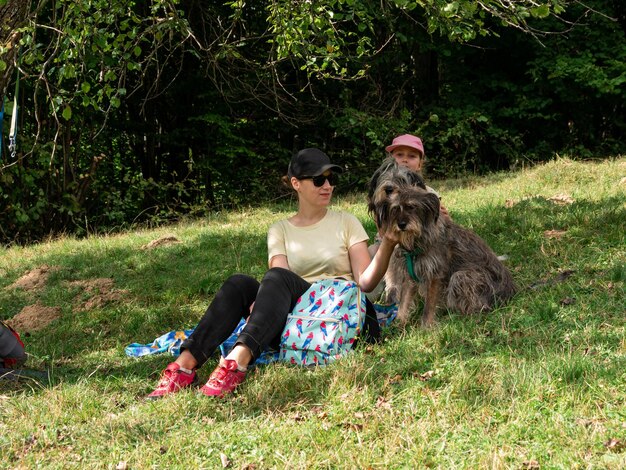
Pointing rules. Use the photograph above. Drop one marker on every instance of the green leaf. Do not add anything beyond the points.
(67, 113)
(540, 11)
(451, 7)
(3, 2)
(85, 87)
(3, 64)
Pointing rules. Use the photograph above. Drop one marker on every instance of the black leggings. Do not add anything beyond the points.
(274, 297)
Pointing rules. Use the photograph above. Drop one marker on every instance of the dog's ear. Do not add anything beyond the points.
(371, 191)
(431, 205)
(381, 215)
(415, 179)
(382, 169)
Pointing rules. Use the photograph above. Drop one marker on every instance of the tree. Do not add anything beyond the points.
(137, 109)
(13, 14)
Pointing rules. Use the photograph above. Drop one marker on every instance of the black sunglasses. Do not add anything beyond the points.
(319, 180)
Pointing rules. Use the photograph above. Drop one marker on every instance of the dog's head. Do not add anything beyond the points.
(386, 182)
(412, 212)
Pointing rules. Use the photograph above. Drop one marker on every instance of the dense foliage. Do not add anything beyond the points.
(143, 111)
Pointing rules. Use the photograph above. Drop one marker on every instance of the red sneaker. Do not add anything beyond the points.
(172, 380)
(224, 379)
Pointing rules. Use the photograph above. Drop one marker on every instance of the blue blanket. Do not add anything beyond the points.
(169, 342)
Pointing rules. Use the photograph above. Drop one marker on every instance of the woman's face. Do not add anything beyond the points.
(408, 157)
(308, 190)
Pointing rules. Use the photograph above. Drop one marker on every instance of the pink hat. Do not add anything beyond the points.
(406, 140)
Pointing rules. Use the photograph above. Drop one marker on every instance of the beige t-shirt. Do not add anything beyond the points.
(319, 251)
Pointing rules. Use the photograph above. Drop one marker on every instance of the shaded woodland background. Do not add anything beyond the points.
(146, 111)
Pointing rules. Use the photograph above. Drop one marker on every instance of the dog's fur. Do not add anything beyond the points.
(455, 268)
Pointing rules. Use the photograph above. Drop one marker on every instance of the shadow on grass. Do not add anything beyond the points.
(157, 285)
(164, 286)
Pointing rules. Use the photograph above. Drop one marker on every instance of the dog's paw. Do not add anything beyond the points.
(428, 322)
(401, 321)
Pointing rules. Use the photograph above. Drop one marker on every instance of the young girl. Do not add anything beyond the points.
(408, 151)
(315, 243)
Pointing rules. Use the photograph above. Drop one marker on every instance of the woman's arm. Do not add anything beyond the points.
(369, 271)
(276, 247)
(279, 261)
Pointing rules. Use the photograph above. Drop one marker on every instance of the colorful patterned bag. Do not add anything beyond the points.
(324, 323)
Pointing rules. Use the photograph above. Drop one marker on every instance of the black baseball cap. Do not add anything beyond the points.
(311, 162)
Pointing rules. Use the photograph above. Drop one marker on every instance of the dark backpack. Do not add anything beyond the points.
(11, 347)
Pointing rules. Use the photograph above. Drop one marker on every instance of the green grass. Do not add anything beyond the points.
(538, 383)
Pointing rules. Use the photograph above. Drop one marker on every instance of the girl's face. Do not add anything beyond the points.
(316, 195)
(408, 157)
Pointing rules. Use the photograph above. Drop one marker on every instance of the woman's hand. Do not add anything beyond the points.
(391, 237)
(368, 271)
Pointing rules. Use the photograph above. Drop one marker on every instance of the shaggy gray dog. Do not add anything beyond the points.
(447, 264)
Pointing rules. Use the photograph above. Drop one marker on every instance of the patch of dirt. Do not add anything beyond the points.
(558, 199)
(34, 317)
(561, 199)
(554, 233)
(163, 241)
(560, 277)
(99, 291)
(34, 279)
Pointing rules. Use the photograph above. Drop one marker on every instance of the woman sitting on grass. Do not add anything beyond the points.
(316, 243)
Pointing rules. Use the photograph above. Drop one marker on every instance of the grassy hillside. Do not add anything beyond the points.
(539, 383)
